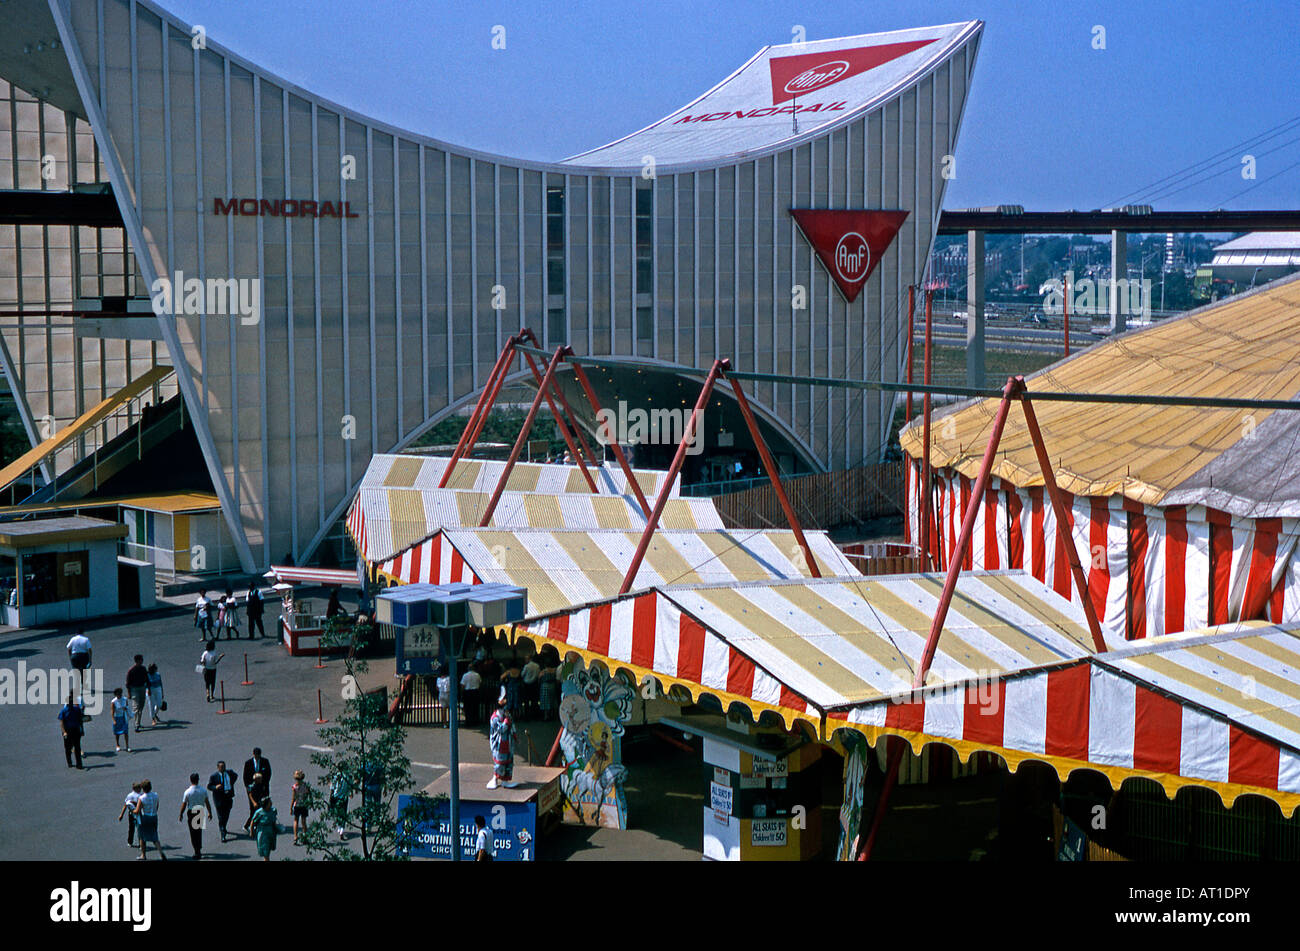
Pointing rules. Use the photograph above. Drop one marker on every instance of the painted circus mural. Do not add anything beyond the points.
(851, 810)
(593, 709)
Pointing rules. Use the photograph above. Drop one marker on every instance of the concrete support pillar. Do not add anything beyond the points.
(975, 308)
(1118, 271)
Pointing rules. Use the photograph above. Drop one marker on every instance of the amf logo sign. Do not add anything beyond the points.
(849, 243)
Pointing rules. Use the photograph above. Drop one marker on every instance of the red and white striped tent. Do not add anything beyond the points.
(1014, 674)
(563, 568)
(1214, 709)
(1182, 516)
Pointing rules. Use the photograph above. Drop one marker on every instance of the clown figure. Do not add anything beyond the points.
(501, 737)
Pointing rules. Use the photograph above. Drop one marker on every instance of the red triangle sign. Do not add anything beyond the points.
(849, 243)
(808, 72)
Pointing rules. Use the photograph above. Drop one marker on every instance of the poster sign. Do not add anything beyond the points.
(594, 708)
(512, 826)
(767, 832)
(768, 767)
(720, 798)
(753, 782)
(721, 776)
(417, 649)
(1074, 844)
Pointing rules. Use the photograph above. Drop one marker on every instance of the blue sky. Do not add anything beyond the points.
(1052, 123)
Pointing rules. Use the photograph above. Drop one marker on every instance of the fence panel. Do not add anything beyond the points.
(821, 500)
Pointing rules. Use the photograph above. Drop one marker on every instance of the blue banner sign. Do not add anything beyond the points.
(512, 828)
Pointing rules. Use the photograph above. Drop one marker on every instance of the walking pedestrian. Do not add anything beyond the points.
(79, 654)
(482, 842)
(208, 664)
(128, 810)
(340, 792)
(203, 616)
(256, 608)
(71, 720)
(193, 802)
(146, 815)
(257, 778)
(222, 786)
(230, 615)
(137, 685)
(156, 702)
(120, 708)
(299, 796)
(501, 737)
(266, 825)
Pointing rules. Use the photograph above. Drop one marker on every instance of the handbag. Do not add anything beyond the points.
(163, 706)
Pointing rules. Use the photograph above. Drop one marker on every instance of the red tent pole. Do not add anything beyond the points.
(719, 366)
(564, 404)
(911, 313)
(1063, 518)
(495, 392)
(522, 438)
(573, 421)
(618, 450)
(882, 804)
(925, 439)
(958, 555)
(474, 424)
(561, 424)
(1009, 392)
(770, 465)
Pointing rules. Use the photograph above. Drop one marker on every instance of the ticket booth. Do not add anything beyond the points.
(302, 620)
(54, 570)
(764, 801)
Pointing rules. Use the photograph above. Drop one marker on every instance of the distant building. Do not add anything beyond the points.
(1257, 258)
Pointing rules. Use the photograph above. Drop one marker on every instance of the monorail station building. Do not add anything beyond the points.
(222, 295)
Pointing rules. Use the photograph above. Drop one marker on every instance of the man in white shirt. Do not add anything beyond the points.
(529, 691)
(193, 802)
(470, 687)
(483, 842)
(79, 654)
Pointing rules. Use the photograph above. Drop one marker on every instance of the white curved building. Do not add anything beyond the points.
(391, 266)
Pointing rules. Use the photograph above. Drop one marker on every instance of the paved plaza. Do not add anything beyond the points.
(52, 812)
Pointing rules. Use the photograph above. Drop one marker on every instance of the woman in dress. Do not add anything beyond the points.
(230, 614)
(146, 813)
(298, 802)
(121, 710)
(265, 828)
(156, 703)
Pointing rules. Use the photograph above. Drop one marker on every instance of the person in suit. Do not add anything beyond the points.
(256, 765)
(256, 608)
(222, 785)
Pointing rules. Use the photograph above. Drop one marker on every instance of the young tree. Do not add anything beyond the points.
(367, 752)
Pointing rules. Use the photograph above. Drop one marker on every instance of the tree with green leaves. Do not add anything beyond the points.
(367, 756)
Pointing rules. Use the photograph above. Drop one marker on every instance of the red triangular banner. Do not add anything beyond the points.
(808, 72)
(849, 243)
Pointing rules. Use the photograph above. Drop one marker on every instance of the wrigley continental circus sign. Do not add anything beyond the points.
(282, 208)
